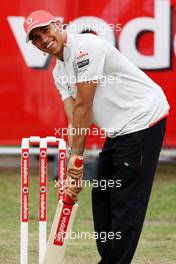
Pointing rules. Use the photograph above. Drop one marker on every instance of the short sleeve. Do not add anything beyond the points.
(90, 60)
(62, 86)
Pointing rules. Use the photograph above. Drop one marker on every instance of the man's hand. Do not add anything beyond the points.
(73, 171)
(74, 178)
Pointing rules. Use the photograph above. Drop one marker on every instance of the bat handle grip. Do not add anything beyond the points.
(78, 163)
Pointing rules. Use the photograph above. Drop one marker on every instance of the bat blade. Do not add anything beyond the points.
(61, 228)
(59, 235)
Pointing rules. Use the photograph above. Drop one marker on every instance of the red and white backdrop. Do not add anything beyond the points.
(30, 104)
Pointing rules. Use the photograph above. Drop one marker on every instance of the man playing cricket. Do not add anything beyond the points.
(131, 109)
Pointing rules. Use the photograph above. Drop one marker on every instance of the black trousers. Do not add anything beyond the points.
(127, 165)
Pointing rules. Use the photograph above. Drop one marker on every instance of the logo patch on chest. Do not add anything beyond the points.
(82, 63)
(82, 60)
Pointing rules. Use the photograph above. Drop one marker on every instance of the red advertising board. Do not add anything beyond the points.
(144, 30)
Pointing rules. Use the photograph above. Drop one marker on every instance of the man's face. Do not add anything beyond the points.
(48, 39)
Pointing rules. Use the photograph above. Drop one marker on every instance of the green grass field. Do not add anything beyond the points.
(157, 244)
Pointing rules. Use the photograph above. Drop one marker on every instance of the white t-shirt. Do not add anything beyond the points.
(126, 99)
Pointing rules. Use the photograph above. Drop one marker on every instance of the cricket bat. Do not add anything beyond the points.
(62, 224)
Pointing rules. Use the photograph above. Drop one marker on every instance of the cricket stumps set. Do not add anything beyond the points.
(25, 150)
(53, 251)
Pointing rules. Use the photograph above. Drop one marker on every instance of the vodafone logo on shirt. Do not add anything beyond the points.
(159, 24)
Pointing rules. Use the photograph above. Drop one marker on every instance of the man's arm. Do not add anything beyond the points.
(82, 114)
(82, 119)
(68, 108)
(79, 114)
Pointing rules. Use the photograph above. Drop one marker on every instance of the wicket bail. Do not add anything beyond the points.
(25, 151)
